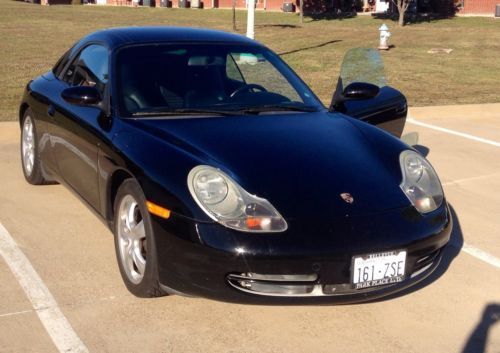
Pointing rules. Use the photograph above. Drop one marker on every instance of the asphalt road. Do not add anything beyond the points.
(457, 310)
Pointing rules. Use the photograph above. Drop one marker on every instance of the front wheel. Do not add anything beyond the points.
(30, 158)
(134, 242)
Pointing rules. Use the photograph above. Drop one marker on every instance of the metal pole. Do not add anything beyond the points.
(251, 19)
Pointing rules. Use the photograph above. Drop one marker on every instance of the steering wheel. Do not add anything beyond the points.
(248, 87)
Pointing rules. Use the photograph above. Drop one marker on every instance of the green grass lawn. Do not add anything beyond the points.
(32, 38)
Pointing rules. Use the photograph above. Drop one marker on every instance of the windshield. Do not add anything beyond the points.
(218, 78)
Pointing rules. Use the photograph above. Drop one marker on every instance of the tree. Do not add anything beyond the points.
(301, 4)
(234, 15)
(402, 6)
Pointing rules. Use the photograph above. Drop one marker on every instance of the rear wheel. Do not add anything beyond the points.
(134, 242)
(29, 150)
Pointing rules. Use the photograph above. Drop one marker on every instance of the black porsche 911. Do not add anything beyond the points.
(222, 175)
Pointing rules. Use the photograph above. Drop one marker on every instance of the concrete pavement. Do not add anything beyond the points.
(73, 254)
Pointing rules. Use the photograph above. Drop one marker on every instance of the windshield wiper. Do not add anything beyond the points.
(186, 111)
(231, 112)
(278, 107)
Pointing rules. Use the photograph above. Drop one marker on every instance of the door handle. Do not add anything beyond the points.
(51, 110)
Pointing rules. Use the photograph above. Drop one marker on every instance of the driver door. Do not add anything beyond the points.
(388, 109)
(75, 133)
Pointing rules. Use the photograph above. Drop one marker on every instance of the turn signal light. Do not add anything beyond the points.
(258, 223)
(158, 210)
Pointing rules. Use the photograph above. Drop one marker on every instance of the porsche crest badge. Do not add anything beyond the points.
(347, 197)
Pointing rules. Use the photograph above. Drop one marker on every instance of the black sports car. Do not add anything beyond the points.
(222, 175)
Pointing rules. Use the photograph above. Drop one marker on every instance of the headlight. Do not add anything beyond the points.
(226, 202)
(420, 182)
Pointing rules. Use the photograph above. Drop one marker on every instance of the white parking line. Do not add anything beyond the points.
(52, 318)
(473, 251)
(481, 255)
(465, 180)
(452, 132)
(16, 313)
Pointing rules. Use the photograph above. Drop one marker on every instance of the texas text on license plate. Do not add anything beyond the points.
(378, 269)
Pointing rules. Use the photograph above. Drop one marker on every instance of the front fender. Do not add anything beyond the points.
(160, 168)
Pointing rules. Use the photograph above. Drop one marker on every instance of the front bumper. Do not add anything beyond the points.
(223, 269)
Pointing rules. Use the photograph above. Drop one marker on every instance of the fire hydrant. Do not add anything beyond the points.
(384, 35)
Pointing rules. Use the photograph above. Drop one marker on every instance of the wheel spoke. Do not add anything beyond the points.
(126, 224)
(137, 231)
(128, 263)
(130, 213)
(28, 161)
(139, 261)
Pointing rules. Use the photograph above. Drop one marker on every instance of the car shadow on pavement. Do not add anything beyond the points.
(478, 338)
(451, 250)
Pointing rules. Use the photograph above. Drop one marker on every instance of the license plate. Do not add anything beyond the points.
(378, 269)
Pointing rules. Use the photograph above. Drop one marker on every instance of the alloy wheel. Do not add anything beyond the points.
(131, 239)
(28, 145)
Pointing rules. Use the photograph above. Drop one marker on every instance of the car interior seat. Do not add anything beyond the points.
(205, 86)
(140, 90)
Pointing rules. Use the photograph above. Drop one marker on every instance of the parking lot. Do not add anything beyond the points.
(85, 306)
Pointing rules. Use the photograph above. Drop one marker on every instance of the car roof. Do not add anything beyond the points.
(116, 37)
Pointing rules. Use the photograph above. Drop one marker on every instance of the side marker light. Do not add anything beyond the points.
(158, 210)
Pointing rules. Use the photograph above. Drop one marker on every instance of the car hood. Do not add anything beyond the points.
(300, 162)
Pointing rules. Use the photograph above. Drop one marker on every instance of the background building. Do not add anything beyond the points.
(441, 7)
(482, 7)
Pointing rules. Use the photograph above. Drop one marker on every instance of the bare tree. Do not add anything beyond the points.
(301, 6)
(402, 6)
(234, 15)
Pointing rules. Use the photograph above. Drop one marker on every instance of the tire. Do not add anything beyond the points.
(134, 243)
(30, 154)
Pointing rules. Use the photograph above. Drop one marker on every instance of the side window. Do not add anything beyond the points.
(232, 71)
(61, 63)
(90, 68)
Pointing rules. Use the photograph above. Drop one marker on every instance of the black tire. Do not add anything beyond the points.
(148, 285)
(32, 172)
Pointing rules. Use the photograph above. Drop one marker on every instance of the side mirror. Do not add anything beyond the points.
(81, 95)
(360, 90)
(353, 91)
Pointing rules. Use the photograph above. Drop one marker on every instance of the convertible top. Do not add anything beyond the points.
(116, 37)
